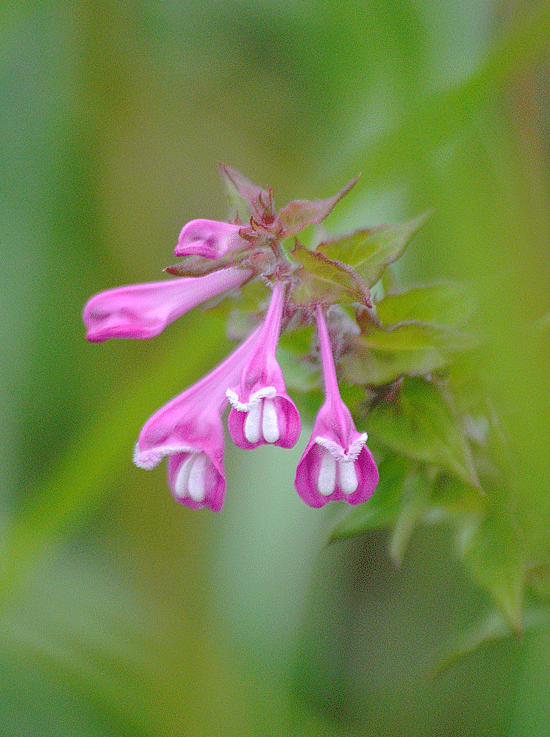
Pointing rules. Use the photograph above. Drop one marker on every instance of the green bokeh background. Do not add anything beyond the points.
(126, 614)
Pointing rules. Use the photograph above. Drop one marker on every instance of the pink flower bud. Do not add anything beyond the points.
(210, 239)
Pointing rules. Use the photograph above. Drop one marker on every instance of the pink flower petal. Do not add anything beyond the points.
(144, 310)
(189, 430)
(261, 410)
(336, 464)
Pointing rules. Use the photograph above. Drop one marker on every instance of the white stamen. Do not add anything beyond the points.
(182, 479)
(196, 482)
(326, 480)
(270, 426)
(252, 423)
(348, 477)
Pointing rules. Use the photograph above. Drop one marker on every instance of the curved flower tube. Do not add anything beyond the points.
(189, 430)
(144, 310)
(261, 410)
(210, 239)
(336, 464)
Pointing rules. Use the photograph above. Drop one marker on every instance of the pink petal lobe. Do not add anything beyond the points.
(309, 474)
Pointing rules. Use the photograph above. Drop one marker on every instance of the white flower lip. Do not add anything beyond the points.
(268, 392)
(338, 452)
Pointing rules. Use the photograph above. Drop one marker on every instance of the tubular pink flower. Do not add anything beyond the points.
(144, 310)
(261, 410)
(189, 430)
(210, 239)
(336, 464)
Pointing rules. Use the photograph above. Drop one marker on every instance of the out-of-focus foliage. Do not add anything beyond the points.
(125, 614)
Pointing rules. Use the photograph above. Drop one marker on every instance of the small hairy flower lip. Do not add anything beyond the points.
(268, 392)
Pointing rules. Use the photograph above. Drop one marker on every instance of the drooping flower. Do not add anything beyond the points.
(144, 310)
(189, 430)
(218, 257)
(261, 410)
(210, 239)
(336, 464)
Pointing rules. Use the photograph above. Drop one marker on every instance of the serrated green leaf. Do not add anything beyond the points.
(295, 216)
(416, 495)
(323, 281)
(490, 629)
(411, 349)
(493, 554)
(457, 500)
(446, 303)
(382, 508)
(420, 424)
(369, 251)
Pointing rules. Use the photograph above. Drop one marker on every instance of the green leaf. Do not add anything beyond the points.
(490, 629)
(411, 349)
(300, 375)
(538, 577)
(446, 303)
(420, 424)
(382, 508)
(416, 494)
(454, 499)
(493, 553)
(326, 281)
(299, 213)
(370, 250)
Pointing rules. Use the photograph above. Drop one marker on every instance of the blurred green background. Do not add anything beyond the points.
(126, 614)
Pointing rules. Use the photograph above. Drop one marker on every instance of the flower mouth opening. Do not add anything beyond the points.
(335, 472)
(192, 478)
(261, 423)
(337, 468)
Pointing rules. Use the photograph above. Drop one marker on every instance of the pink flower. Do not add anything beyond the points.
(261, 410)
(210, 239)
(144, 310)
(189, 430)
(336, 464)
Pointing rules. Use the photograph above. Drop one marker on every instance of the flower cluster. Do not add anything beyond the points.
(218, 257)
